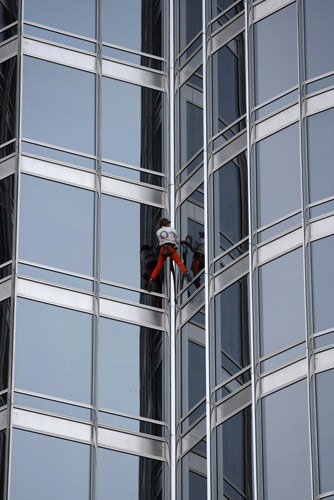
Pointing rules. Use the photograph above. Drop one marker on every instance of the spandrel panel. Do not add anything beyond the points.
(131, 124)
(286, 443)
(4, 342)
(322, 255)
(131, 369)
(56, 225)
(325, 418)
(63, 15)
(6, 218)
(319, 36)
(8, 12)
(7, 100)
(278, 175)
(276, 64)
(43, 464)
(123, 476)
(190, 21)
(58, 105)
(320, 131)
(53, 347)
(281, 295)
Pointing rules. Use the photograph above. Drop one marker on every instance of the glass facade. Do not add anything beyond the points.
(213, 388)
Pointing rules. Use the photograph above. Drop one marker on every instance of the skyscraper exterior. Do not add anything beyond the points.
(218, 114)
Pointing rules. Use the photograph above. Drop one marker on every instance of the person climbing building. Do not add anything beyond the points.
(168, 241)
(198, 258)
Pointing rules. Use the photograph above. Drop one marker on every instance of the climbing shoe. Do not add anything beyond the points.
(187, 276)
(150, 285)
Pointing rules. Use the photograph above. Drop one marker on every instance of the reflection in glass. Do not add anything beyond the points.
(56, 154)
(59, 38)
(278, 175)
(320, 131)
(219, 6)
(56, 221)
(59, 341)
(131, 370)
(281, 295)
(4, 342)
(7, 100)
(55, 277)
(322, 252)
(275, 53)
(286, 444)
(43, 464)
(129, 477)
(325, 418)
(58, 105)
(193, 466)
(190, 21)
(49, 405)
(6, 218)
(8, 12)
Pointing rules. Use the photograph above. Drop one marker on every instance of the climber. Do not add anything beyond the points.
(198, 259)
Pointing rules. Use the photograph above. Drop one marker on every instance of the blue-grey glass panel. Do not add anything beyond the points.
(286, 443)
(194, 415)
(324, 340)
(58, 105)
(277, 104)
(3, 399)
(126, 228)
(230, 256)
(52, 406)
(190, 21)
(193, 363)
(9, 33)
(195, 162)
(7, 150)
(123, 476)
(322, 209)
(281, 294)
(229, 90)
(320, 84)
(63, 15)
(131, 369)
(325, 418)
(279, 228)
(135, 175)
(46, 467)
(218, 6)
(284, 357)
(55, 154)
(5, 312)
(5, 271)
(322, 252)
(275, 51)
(320, 131)
(6, 218)
(8, 13)
(193, 474)
(133, 24)
(133, 296)
(130, 424)
(59, 38)
(319, 36)
(54, 277)
(132, 57)
(56, 225)
(231, 205)
(228, 133)
(191, 49)
(234, 457)
(53, 351)
(228, 15)
(3, 436)
(7, 100)
(233, 385)
(132, 124)
(278, 175)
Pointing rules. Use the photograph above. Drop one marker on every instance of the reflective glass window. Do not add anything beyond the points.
(276, 64)
(128, 476)
(229, 92)
(325, 418)
(131, 369)
(322, 252)
(231, 204)
(8, 12)
(54, 36)
(193, 470)
(281, 295)
(6, 218)
(53, 346)
(4, 342)
(58, 105)
(43, 464)
(131, 124)
(219, 6)
(320, 131)
(56, 225)
(7, 100)
(190, 21)
(286, 462)
(278, 175)
(63, 15)
(133, 24)
(58, 155)
(3, 435)
(319, 36)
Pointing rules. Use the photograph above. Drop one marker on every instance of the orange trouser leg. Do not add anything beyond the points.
(176, 258)
(158, 267)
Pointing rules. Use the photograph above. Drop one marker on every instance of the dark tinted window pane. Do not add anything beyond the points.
(6, 218)
(194, 473)
(4, 341)
(275, 54)
(125, 476)
(193, 365)
(131, 369)
(281, 289)
(3, 434)
(278, 178)
(58, 105)
(190, 21)
(286, 444)
(319, 36)
(56, 221)
(325, 418)
(320, 154)
(57, 343)
(7, 100)
(131, 124)
(322, 280)
(8, 12)
(63, 15)
(43, 464)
